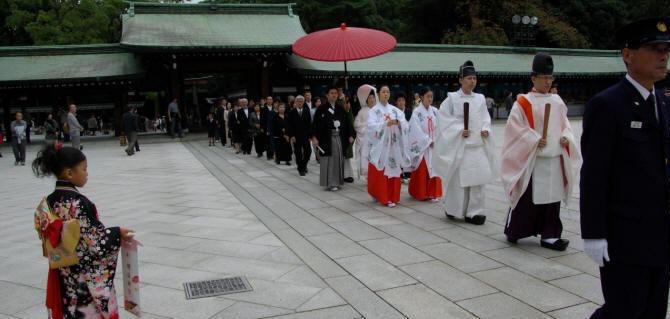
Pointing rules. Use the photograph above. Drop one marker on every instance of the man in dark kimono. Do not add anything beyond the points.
(331, 134)
(300, 131)
(540, 162)
(625, 178)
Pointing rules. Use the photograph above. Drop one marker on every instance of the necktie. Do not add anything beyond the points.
(651, 101)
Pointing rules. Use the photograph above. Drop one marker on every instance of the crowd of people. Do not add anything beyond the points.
(624, 173)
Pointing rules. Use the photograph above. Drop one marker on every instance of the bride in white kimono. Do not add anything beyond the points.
(366, 93)
(386, 135)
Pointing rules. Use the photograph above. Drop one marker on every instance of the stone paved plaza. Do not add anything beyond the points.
(205, 213)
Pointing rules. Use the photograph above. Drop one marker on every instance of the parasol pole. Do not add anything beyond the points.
(346, 82)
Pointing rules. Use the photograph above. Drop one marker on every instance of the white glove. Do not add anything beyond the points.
(596, 249)
(336, 124)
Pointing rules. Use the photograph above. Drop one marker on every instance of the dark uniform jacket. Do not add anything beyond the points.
(130, 123)
(323, 124)
(624, 177)
(300, 126)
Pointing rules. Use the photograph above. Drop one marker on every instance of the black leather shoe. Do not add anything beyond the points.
(302, 173)
(560, 245)
(476, 220)
(511, 240)
(349, 179)
(451, 217)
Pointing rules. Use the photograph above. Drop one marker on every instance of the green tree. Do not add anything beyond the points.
(49, 22)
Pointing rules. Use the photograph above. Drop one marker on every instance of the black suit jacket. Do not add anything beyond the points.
(243, 128)
(323, 124)
(300, 126)
(625, 175)
(220, 120)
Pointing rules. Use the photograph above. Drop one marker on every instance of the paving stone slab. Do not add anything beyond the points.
(448, 281)
(583, 285)
(276, 294)
(470, 239)
(500, 306)
(580, 262)
(417, 301)
(364, 301)
(343, 312)
(374, 272)
(412, 235)
(583, 311)
(532, 291)
(534, 265)
(358, 230)
(337, 246)
(246, 310)
(326, 298)
(460, 258)
(172, 303)
(395, 252)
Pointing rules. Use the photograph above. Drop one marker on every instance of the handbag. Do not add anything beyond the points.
(122, 140)
(59, 237)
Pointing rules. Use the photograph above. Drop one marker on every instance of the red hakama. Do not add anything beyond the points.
(422, 186)
(384, 189)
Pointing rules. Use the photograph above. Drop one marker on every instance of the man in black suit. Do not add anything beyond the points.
(267, 117)
(243, 129)
(625, 179)
(220, 121)
(300, 131)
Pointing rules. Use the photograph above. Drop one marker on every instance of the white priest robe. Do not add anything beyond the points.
(387, 152)
(464, 164)
(555, 169)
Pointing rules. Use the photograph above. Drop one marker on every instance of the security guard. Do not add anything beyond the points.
(625, 178)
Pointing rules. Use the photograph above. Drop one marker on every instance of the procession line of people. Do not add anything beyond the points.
(450, 154)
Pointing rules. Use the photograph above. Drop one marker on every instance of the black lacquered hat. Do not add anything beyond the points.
(543, 64)
(468, 68)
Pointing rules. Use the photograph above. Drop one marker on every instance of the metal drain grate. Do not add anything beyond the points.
(209, 288)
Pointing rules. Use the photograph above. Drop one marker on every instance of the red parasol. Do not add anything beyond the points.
(344, 44)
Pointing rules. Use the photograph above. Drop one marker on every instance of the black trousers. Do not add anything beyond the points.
(634, 292)
(270, 146)
(247, 143)
(222, 134)
(303, 150)
(259, 141)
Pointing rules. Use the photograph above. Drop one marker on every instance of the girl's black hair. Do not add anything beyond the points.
(51, 161)
(425, 90)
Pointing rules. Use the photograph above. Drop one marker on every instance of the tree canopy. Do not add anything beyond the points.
(562, 23)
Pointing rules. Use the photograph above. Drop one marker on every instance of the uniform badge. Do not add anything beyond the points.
(661, 27)
(636, 124)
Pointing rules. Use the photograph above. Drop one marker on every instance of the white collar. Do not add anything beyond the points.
(643, 91)
(462, 93)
